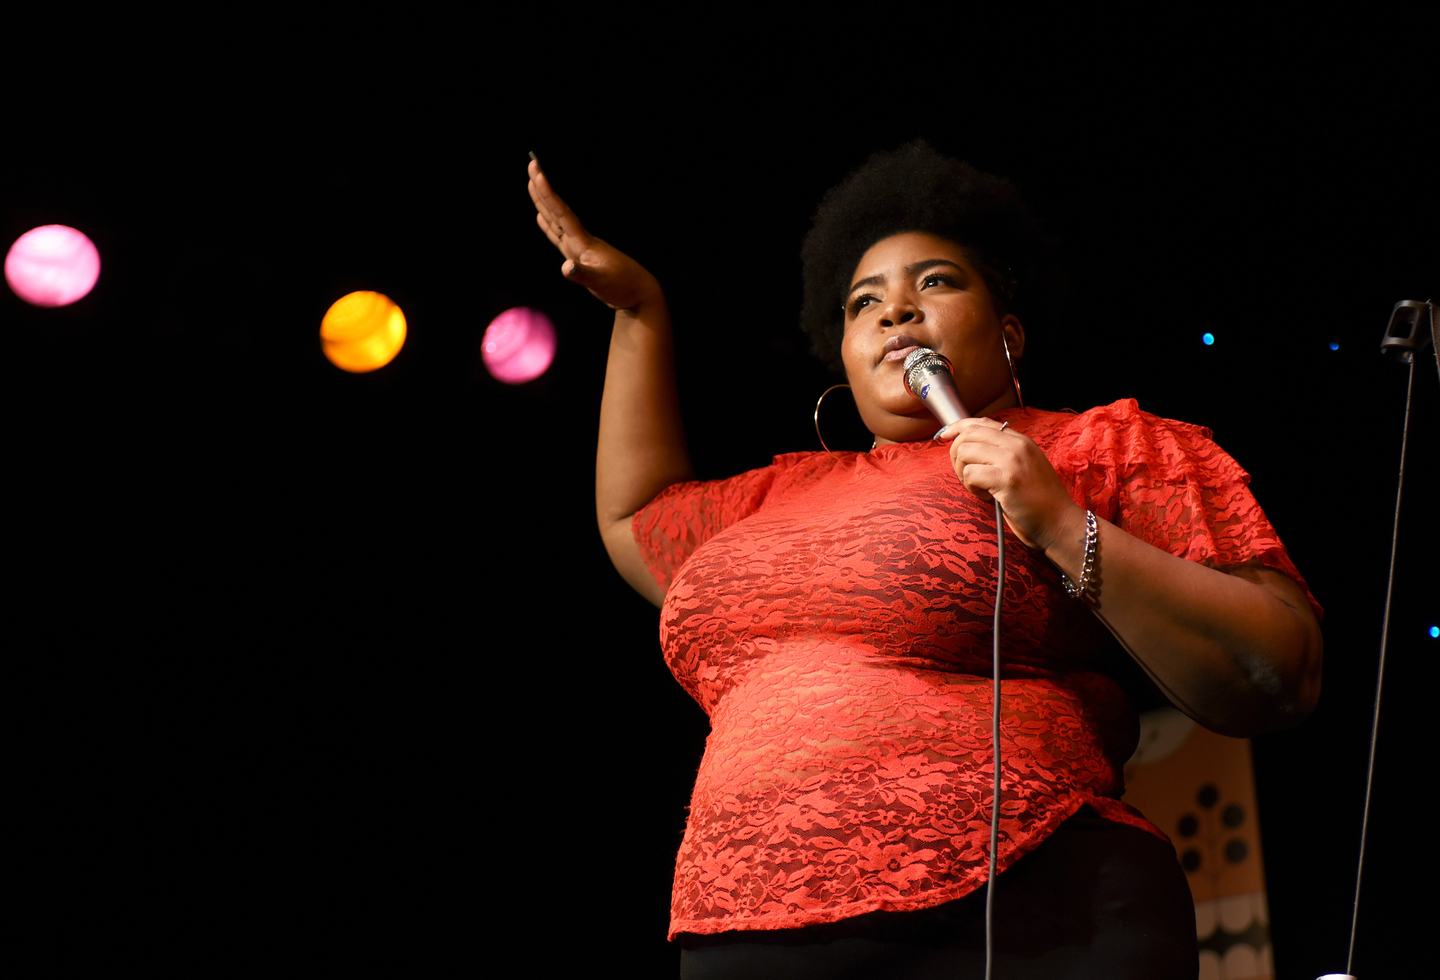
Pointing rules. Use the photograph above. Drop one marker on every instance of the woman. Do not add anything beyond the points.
(832, 615)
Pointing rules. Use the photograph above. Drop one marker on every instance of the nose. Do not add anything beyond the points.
(901, 309)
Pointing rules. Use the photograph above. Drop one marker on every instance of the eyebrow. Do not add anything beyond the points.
(910, 270)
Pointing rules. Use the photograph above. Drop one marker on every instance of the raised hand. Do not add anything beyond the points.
(612, 277)
(641, 445)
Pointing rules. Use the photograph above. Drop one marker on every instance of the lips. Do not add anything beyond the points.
(898, 347)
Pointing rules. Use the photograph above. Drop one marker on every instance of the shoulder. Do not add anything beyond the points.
(747, 490)
(1119, 418)
(1123, 435)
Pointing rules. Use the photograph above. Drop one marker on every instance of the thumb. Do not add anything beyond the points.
(575, 272)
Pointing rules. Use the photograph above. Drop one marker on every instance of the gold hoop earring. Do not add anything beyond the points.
(817, 419)
(1013, 379)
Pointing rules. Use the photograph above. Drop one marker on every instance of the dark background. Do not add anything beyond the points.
(322, 668)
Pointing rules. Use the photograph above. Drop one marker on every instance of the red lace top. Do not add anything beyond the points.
(833, 618)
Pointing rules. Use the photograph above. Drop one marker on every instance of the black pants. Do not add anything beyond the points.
(1097, 899)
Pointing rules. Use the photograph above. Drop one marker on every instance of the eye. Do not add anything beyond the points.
(937, 279)
(858, 303)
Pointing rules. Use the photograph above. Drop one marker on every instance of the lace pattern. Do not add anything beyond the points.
(833, 616)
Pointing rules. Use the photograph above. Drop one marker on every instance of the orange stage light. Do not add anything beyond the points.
(362, 331)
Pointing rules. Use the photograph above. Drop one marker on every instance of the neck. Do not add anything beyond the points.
(1007, 400)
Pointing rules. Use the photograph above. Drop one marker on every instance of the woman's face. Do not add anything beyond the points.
(916, 290)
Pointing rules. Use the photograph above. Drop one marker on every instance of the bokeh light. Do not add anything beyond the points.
(1334, 345)
(53, 265)
(362, 331)
(1207, 338)
(519, 345)
(1434, 632)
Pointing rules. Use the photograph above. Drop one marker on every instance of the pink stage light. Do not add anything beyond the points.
(519, 345)
(53, 265)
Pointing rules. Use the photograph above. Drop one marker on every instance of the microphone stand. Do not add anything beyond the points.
(1404, 338)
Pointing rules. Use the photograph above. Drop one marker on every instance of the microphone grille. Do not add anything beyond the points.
(923, 360)
(912, 358)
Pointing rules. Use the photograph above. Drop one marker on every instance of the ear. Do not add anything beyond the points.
(1014, 335)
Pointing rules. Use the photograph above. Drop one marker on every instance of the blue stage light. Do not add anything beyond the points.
(1435, 631)
(1334, 346)
(1209, 338)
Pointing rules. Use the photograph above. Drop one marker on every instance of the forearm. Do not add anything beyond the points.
(642, 447)
(642, 443)
(1241, 653)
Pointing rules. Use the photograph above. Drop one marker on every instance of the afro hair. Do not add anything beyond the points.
(913, 189)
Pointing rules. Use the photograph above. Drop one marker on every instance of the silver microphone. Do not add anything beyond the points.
(930, 378)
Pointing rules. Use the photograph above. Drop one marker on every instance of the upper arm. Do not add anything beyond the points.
(624, 550)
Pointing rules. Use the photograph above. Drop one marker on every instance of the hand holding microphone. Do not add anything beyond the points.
(993, 460)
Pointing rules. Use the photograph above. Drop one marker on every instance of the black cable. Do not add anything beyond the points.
(995, 742)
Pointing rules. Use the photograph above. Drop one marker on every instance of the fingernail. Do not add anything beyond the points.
(534, 157)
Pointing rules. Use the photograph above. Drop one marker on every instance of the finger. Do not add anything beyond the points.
(532, 172)
(954, 429)
(583, 275)
(978, 478)
(981, 466)
(542, 205)
(549, 230)
(987, 424)
(986, 431)
(570, 246)
(543, 209)
(947, 432)
(965, 451)
(545, 197)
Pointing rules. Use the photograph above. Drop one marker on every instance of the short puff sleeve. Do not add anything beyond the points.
(684, 516)
(1168, 484)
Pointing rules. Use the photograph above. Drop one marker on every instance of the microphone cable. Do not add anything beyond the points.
(929, 377)
(995, 742)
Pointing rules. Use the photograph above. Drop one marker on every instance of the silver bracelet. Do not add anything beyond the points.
(1092, 540)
